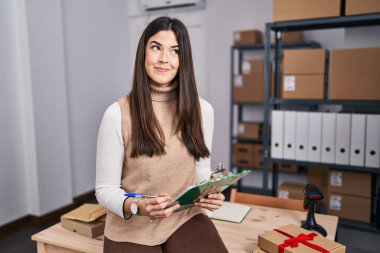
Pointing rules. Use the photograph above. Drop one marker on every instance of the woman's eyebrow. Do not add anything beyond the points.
(158, 43)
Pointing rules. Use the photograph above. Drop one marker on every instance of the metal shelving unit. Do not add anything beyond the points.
(275, 103)
(241, 50)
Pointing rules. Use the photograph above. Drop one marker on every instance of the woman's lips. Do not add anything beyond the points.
(161, 69)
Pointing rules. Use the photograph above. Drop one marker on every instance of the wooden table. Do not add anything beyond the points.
(239, 238)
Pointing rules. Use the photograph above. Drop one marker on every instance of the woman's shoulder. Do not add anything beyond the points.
(112, 112)
(206, 107)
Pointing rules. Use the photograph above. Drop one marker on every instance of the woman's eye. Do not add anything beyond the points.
(175, 51)
(155, 48)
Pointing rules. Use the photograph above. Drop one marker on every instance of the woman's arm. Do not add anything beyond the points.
(203, 166)
(109, 161)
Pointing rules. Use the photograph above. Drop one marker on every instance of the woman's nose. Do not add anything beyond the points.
(163, 57)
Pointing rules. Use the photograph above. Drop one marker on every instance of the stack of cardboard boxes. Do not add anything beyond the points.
(304, 74)
(349, 195)
(248, 155)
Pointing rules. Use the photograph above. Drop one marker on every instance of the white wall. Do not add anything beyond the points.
(62, 63)
(97, 74)
(13, 191)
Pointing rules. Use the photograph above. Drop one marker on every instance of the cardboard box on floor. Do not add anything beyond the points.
(349, 207)
(350, 183)
(303, 74)
(354, 74)
(291, 190)
(285, 10)
(355, 7)
(250, 130)
(248, 37)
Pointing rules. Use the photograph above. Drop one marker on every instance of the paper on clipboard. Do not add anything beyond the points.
(193, 193)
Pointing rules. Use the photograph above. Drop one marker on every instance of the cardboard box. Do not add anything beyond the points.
(250, 85)
(248, 37)
(317, 176)
(289, 168)
(248, 155)
(249, 88)
(89, 229)
(354, 68)
(305, 61)
(355, 7)
(259, 251)
(285, 10)
(270, 241)
(292, 37)
(291, 190)
(349, 207)
(304, 74)
(350, 183)
(250, 130)
(253, 67)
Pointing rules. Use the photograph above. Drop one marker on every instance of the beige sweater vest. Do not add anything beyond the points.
(172, 173)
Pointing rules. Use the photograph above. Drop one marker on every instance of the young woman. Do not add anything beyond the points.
(157, 141)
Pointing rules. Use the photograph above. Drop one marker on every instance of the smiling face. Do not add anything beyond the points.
(161, 58)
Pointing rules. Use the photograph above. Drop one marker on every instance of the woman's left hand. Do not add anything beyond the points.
(212, 202)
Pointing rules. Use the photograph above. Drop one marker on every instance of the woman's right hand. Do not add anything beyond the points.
(155, 208)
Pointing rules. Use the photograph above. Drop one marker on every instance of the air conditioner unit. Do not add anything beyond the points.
(157, 5)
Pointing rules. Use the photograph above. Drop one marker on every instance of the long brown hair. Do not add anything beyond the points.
(147, 135)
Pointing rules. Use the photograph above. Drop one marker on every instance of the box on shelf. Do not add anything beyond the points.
(285, 10)
(355, 7)
(349, 207)
(250, 130)
(303, 74)
(290, 190)
(248, 155)
(89, 229)
(354, 68)
(249, 86)
(248, 37)
(317, 176)
(253, 67)
(350, 183)
(270, 241)
(289, 168)
(292, 37)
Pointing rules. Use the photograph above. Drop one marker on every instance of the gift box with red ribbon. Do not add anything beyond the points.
(294, 239)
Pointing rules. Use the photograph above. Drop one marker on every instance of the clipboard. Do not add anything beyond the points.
(194, 193)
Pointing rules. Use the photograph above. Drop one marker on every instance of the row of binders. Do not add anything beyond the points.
(340, 138)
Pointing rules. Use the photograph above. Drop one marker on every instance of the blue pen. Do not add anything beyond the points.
(139, 195)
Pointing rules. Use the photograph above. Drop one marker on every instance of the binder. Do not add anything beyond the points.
(372, 150)
(289, 134)
(342, 143)
(314, 137)
(302, 125)
(277, 134)
(328, 137)
(357, 139)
